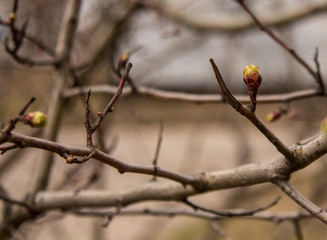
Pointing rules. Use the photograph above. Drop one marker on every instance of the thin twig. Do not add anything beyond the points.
(264, 216)
(32, 39)
(109, 107)
(298, 231)
(26, 61)
(111, 216)
(9, 200)
(156, 155)
(219, 230)
(287, 188)
(319, 77)
(12, 122)
(250, 115)
(8, 147)
(280, 42)
(87, 123)
(232, 213)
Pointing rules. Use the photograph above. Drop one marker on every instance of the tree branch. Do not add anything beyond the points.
(110, 105)
(62, 73)
(232, 213)
(236, 23)
(316, 211)
(245, 175)
(191, 97)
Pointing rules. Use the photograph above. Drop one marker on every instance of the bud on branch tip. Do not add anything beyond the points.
(252, 78)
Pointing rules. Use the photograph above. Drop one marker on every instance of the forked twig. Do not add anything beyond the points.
(109, 107)
(287, 188)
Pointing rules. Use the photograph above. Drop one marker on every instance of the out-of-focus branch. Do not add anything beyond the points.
(17, 39)
(109, 42)
(12, 122)
(236, 23)
(298, 230)
(61, 76)
(316, 211)
(32, 39)
(232, 213)
(315, 74)
(191, 97)
(156, 155)
(274, 217)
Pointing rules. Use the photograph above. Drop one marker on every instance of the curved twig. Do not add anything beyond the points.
(316, 211)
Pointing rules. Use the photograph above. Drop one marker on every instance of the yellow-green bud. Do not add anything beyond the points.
(252, 77)
(273, 116)
(70, 159)
(35, 119)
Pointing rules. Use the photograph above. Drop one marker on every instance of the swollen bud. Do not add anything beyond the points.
(122, 62)
(273, 116)
(35, 119)
(252, 78)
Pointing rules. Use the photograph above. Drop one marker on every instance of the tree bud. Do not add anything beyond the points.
(273, 116)
(35, 119)
(252, 77)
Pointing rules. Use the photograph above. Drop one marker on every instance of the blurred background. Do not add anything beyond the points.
(169, 43)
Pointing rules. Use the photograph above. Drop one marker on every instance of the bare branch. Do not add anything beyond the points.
(156, 156)
(232, 213)
(245, 175)
(316, 211)
(236, 23)
(191, 97)
(12, 122)
(16, 202)
(281, 43)
(319, 79)
(32, 39)
(274, 217)
(298, 230)
(110, 105)
(61, 77)
(88, 126)
(71, 153)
